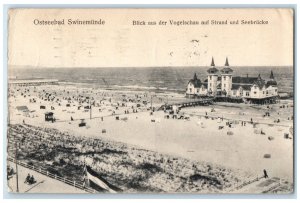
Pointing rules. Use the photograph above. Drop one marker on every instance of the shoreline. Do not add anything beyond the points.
(288, 95)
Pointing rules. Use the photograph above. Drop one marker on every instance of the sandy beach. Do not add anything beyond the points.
(204, 135)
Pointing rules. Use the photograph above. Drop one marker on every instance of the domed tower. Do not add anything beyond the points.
(226, 79)
(212, 79)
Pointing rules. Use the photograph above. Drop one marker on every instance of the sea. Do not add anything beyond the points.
(166, 79)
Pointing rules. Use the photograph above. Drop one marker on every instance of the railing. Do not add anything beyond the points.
(73, 183)
(271, 188)
(246, 183)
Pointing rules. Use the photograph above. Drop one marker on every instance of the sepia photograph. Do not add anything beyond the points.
(150, 100)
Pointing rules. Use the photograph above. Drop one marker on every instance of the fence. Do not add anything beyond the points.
(76, 184)
(246, 183)
(272, 188)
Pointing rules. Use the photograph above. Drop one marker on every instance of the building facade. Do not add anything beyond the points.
(222, 84)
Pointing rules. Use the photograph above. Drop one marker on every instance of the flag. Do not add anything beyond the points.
(94, 178)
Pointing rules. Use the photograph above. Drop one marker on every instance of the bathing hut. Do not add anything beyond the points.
(82, 123)
(49, 116)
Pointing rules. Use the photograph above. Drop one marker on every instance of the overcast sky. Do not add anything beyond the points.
(120, 44)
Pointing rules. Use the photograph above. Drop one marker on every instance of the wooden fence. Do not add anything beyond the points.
(73, 183)
(245, 184)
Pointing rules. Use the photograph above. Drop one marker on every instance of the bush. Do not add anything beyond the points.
(149, 167)
(62, 162)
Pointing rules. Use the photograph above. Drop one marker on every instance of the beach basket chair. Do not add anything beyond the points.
(267, 156)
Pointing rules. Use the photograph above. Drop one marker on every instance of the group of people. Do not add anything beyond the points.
(10, 172)
(30, 179)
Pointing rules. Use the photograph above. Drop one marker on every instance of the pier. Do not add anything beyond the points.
(200, 102)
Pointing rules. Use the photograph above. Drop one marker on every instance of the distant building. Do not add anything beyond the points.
(222, 85)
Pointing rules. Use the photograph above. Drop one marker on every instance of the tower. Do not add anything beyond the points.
(212, 79)
(272, 76)
(226, 79)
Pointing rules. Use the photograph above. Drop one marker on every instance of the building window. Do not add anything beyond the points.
(210, 84)
(210, 77)
(197, 90)
(254, 92)
(224, 77)
(267, 92)
(263, 92)
(247, 94)
(275, 90)
(224, 85)
(190, 89)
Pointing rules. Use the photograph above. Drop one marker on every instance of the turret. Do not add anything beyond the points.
(226, 79)
(212, 78)
(272, 80)
(195, 77)
(212, 62)
(272, 76)
(226, 62)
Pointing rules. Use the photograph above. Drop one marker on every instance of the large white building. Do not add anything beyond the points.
(222, 84)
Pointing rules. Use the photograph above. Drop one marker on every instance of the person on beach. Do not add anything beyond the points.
(265, 174)
(31, 180)
(27, 178)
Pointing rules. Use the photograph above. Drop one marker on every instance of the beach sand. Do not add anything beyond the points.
(197, 138)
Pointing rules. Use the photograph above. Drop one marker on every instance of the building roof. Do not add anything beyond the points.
(259, 82)
(246, 87)
(244, 80)
(226, 70)
(271, 83)
(237, 86)
(195, 81)
(212, 70)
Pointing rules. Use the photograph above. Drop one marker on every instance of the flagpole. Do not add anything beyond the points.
(16, 155)
(90, 110)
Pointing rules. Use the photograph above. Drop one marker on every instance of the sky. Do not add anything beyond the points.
(118, 43)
